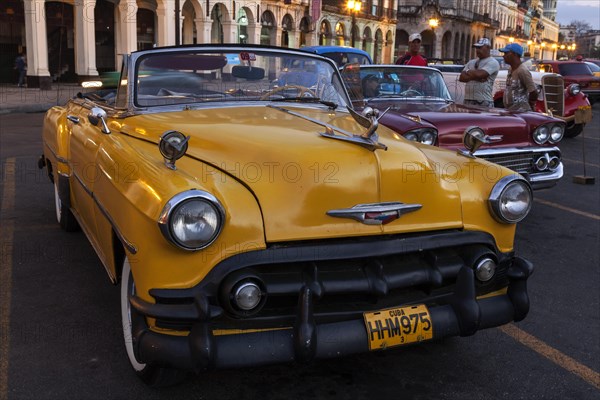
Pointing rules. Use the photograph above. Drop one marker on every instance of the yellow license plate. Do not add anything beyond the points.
(398, 326)
(583, 114)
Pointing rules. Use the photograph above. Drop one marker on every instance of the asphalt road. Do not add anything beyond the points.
(60, 335)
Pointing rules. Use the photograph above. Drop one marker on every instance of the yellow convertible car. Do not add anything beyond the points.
(251, 216)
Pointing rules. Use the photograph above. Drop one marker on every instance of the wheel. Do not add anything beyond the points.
(152, 375)
(301, 91)
(573, 130)
(64, 216)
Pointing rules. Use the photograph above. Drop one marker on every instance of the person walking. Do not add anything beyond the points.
(412, 57)
(520, 93)
(479, 75)
(21, 67)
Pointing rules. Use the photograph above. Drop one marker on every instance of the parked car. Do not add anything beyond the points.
(568, 103)
(524, 142)
(250, 223)
(595, 68)
(574, 71)
(342, 55)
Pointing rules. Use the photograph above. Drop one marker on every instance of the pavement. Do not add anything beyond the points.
(14, 99)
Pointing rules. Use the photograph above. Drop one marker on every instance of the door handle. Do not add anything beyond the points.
(73, 119)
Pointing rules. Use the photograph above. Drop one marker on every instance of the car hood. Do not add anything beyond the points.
(452, 119)
(297, 175)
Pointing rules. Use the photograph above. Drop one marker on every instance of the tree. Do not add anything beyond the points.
(580, 26)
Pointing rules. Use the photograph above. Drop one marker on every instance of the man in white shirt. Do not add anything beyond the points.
(480, 74)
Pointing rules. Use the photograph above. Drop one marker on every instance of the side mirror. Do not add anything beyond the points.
(96, 116)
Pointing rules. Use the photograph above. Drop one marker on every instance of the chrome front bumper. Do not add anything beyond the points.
(522, 160)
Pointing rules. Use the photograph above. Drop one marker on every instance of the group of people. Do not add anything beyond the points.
(480, 73)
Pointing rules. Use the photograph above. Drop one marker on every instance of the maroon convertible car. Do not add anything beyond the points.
(420, 108)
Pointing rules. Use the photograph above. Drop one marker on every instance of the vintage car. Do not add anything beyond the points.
(523, 142)
(251, 223)
(572, 72)
(342, 55)
(568, 103)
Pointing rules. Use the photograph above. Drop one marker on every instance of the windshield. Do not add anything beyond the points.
(234, 75)
(398, 82)
(578, 68)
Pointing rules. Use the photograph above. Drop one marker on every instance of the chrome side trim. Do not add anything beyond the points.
(128, 244)
(83, 185)
(375, 213)
(55, 154)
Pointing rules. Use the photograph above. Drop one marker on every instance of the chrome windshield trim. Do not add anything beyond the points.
(375, 213)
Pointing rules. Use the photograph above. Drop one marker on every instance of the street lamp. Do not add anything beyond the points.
(434, 23)
(511, 39)
(353, 6)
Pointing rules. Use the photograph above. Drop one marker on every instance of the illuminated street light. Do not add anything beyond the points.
(434, 23)
(353, 6)
(511, 39)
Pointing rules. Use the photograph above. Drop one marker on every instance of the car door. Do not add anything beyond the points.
(84, 142)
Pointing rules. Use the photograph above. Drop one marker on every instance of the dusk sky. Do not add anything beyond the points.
(583, 10)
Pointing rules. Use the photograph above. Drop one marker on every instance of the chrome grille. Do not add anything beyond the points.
(554, 94)
(518, 162)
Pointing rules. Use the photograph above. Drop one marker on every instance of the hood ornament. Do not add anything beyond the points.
(474, 138)
(375, 213)
(368, 119)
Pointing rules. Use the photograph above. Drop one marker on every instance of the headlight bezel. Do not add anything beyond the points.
(496, 199)
(562, 133)
(574, 89)
(420, 133)
(536, 134)
(175, 204)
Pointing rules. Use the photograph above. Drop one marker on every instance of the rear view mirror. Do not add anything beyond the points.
(247, 72)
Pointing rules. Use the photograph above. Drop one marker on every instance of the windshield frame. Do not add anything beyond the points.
(134, 106)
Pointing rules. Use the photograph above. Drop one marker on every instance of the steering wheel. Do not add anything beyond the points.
(410, 91)
(301, 91)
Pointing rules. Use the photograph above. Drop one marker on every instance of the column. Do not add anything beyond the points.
(229, 32)
(85, 39)
(165, 19)
(126, 29)
(202, 31)
(38, 74)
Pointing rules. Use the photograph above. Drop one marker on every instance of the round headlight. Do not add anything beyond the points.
(556, 133)
(411, 136)
(192, 220)
(574, 89)
(511, 199)
(428, 137)
(247, 296)
(541, 134)
(485, 269)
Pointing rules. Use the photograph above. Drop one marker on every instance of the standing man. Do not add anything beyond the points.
(413, 57)
(520, 93)
(21, 67)
(480, 74)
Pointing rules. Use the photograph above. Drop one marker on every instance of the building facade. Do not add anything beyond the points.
(71, 40)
